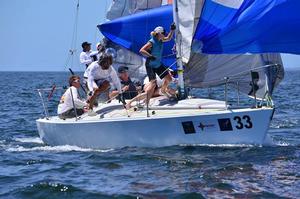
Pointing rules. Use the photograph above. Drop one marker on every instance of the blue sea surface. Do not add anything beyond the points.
(31, 169)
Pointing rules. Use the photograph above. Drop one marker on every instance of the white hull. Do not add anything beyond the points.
(164, 128)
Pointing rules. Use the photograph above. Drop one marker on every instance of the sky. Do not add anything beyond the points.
(36, 35)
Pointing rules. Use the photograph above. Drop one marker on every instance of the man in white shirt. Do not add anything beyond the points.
(98, 74)
(70, 99)
(87, 56)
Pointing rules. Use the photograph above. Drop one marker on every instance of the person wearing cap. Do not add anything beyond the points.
(87, 56)
(129, 89)
(101, 49)
(98, 74)
(70, 99)
(153, 50)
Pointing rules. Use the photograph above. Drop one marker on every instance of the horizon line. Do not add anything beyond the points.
(286, 69)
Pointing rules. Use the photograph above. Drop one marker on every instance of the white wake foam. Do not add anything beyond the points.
(64, 148)
(30, 140)
(271, 142)
(283, 143)
(219, 145)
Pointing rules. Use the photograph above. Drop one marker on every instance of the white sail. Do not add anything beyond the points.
(120, 8)
(188, 14)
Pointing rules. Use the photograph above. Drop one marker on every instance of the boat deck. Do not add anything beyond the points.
(161, 107)
(158, 107)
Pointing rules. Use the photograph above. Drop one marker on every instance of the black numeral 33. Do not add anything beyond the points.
(245, 121)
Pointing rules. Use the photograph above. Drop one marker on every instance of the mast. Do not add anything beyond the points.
(178, 39)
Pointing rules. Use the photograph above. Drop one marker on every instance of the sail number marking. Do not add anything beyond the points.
(244, 122)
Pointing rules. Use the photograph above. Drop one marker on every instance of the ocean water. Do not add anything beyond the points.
(31, 169)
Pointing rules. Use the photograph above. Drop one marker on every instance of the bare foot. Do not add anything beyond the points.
(165, 93)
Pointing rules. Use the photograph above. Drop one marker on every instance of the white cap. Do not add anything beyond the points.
(98, 44)
(159, 29)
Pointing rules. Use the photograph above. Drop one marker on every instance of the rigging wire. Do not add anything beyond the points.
(97, 32)
(73, 50)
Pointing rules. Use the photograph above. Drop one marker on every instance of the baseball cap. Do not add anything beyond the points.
(122, 69)
(159, 29)
(85, 44)
(98, 44)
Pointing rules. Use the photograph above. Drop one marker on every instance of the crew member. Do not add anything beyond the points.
(70, 99)
(147, 93)
(129, 89)
(98, 74)
(153, 50)
(87, 56)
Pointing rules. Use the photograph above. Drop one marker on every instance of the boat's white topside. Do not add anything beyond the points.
(159, 107)
(190, 121)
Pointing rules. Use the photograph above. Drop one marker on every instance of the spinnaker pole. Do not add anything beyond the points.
(178, 38)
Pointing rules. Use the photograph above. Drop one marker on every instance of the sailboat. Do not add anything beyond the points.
(218, 42)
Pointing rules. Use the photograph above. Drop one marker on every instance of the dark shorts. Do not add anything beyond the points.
(161, 71)
(99, 82)
(71, 113)
(130, 94)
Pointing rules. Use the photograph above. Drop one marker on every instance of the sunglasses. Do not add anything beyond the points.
(76, 81)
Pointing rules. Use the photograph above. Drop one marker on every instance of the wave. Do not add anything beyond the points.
(269, 141)
(219, 145)
(36, 140)
(283, 143)
(64, 148)
(56, 190)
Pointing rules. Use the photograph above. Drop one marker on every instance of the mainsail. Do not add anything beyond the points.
(120, 8)
(216, 41)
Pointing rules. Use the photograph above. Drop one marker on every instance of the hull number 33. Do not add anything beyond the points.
(244, 122)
